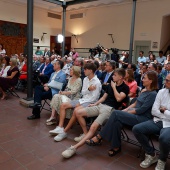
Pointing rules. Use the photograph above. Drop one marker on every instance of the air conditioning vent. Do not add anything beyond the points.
(52, 15)
(79, 15)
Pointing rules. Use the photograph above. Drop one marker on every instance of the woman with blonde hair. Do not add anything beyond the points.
(71, 92)
(11, 79)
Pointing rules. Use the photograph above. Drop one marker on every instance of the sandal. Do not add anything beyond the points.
(90, 142)
(113, 152)
(51, 121)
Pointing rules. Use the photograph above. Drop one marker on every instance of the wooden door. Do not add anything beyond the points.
(13, 45)
(58, 46)
(13, 37)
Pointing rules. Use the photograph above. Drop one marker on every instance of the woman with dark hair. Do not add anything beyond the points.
(151, 58)
(137, 112)
(2, 50)
(6, 67)
(130, 81)
(11, 79)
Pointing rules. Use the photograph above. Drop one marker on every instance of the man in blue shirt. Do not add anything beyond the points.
(141, 57)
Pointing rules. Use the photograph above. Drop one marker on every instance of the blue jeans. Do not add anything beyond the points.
(143, 130)
(112, 129)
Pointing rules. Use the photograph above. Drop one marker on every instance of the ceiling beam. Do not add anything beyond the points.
(75, 2)
(54, 2)
(68, 3)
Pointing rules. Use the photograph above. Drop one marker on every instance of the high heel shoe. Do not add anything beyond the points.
(113, 152)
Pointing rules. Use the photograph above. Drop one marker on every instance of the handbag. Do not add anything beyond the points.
(64, 99)
(55, 84)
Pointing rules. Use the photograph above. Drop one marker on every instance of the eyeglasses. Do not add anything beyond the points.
(167, 81)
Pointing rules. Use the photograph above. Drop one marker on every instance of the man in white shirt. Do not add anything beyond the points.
(91, 91)
(160, 125)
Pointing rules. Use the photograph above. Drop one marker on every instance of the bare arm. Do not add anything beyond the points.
(102, 99)
(119, 96)
(12, 75)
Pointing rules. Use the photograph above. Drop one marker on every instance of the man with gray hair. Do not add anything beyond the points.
(80, 62)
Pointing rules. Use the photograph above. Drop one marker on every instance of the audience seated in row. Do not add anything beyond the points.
(116, 93)
(72, 92)
(90, 91)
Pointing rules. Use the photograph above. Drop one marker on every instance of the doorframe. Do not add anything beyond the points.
(140, 43)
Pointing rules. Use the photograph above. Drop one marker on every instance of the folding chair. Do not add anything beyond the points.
(11, 91)
(45, 102)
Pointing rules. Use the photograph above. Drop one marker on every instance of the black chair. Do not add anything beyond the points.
(45, 104)
(12, 92)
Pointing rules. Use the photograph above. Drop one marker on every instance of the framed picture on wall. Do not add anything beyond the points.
(155, 45)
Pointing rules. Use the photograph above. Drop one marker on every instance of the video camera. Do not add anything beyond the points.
(97, 49)
(115, 50)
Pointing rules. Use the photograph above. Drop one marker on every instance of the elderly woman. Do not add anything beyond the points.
(71, 92)
(11, 79)
(6, 67)
(137, 112)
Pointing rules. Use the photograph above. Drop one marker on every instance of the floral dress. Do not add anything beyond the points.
(75, 89)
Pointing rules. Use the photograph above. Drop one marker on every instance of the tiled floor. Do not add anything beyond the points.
(26, 144)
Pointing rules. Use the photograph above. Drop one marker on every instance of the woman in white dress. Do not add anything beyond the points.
(71, 92)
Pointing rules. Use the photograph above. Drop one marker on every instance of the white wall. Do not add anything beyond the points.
(117, 20)
(97, 23)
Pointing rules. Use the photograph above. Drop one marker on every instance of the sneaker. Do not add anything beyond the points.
(51, 121)
(60, 137)
(78, 139)
(149, 160)
(56, 131)
(69, 152)
(160, 165)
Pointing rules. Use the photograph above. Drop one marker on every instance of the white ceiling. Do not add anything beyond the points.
(56, 8)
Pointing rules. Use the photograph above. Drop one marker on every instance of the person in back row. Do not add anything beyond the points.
(116, 93)
(106, 76)
(159, 125)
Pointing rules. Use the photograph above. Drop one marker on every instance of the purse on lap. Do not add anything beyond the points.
(55, 84)
(64, 99)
